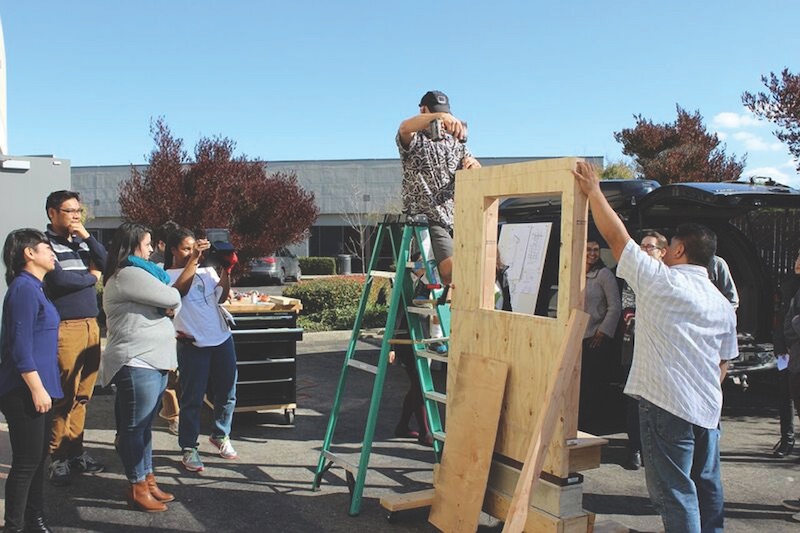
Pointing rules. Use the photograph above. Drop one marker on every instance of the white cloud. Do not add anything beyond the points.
(733, 121)
(791, 163)
(721, 135)
(755, 143)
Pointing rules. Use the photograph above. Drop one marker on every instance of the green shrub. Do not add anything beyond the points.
(318, 266)
(331, 303)
(337, 292)
(343, 318)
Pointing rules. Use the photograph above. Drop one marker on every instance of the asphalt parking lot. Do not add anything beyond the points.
(268, 488)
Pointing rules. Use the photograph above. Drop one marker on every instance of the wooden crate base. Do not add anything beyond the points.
(497, 505)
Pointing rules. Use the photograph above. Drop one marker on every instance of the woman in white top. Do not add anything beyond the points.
(140, 351)
(205, 345)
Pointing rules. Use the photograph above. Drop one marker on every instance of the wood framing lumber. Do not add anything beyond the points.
(538, 521)
(409, 500)
(546, 421)
(473, 414)
(557, 500)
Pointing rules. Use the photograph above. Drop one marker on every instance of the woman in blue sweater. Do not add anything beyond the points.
(29, 379)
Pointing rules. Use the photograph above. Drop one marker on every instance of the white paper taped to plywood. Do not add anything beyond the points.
(522, 248)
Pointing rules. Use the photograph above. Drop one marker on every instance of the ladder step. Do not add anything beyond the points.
(436, 396)
(427, 311)
(429, 354)
(340, 461)
(434, 340)
(382, 274)
(361, 365)
(439, 435)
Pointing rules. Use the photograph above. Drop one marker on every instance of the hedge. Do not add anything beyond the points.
(336, 292)
(331, 303)
(318, 266)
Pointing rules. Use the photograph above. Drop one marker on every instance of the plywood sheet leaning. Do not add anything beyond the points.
(473, 412)
(545, 425)
(528, 344)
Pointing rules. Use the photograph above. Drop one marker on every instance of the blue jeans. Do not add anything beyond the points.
(139, 393)
(195, 366)
(682, 471)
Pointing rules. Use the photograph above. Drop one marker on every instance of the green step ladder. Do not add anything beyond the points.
(400, 230)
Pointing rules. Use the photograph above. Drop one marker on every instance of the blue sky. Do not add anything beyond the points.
(332, 80)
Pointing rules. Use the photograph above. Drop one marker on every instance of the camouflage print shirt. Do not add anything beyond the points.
(429, 172)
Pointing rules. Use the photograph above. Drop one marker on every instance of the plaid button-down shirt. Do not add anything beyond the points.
(684, 328)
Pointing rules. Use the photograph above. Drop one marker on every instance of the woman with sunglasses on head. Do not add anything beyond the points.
(205, 348)
(602, 303)
(138, 302)
(29, 375)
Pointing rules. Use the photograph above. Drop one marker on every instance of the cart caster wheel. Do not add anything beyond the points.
(289, 417)
(391, 517)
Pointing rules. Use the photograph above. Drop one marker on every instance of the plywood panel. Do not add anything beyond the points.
(528, 344)
(546, 420)
(474, 410)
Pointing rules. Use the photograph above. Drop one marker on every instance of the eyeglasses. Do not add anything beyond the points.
(650, 247)
(79, 210)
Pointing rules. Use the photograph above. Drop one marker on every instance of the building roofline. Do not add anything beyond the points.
(362, 160)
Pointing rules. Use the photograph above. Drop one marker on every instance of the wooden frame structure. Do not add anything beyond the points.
(528, 344)
(525, 342)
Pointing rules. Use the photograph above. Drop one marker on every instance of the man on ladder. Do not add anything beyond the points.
(432, 148)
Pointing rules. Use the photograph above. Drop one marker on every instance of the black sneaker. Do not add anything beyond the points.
(59, 473)
(634, 461)
(85, 464)
(784, 447)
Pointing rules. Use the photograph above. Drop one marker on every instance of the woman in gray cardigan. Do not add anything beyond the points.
(603, 305)
(140, 351)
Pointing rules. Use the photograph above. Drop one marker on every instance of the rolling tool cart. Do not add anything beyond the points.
(265, 336)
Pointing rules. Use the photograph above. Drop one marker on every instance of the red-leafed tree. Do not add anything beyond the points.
(781, 106)
(679, 151)
(216, 189)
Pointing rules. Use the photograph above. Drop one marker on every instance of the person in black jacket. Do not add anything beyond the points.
(788, 288)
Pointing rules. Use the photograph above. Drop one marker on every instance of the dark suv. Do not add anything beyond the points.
(643, 204)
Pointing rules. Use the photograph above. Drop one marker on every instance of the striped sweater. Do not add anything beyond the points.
(70, 286)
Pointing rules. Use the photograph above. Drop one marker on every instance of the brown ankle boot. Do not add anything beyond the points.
(140, 498)
(156, 492)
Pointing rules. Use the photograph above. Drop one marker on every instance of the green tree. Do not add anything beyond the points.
(215, 189)
(781, 106)
(678, 151)
(618, 170)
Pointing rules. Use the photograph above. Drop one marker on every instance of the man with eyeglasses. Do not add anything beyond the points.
(80, 259)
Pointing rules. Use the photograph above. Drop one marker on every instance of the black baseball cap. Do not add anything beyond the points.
(436, 102)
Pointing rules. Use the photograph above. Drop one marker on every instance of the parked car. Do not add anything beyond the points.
(277, 267)
(643, 204)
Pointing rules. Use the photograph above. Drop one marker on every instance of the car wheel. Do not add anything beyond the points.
(298, 275)
(282, 277)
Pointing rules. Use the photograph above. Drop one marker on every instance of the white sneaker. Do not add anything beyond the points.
(223, 444)
(191, 460)
(796, 517)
